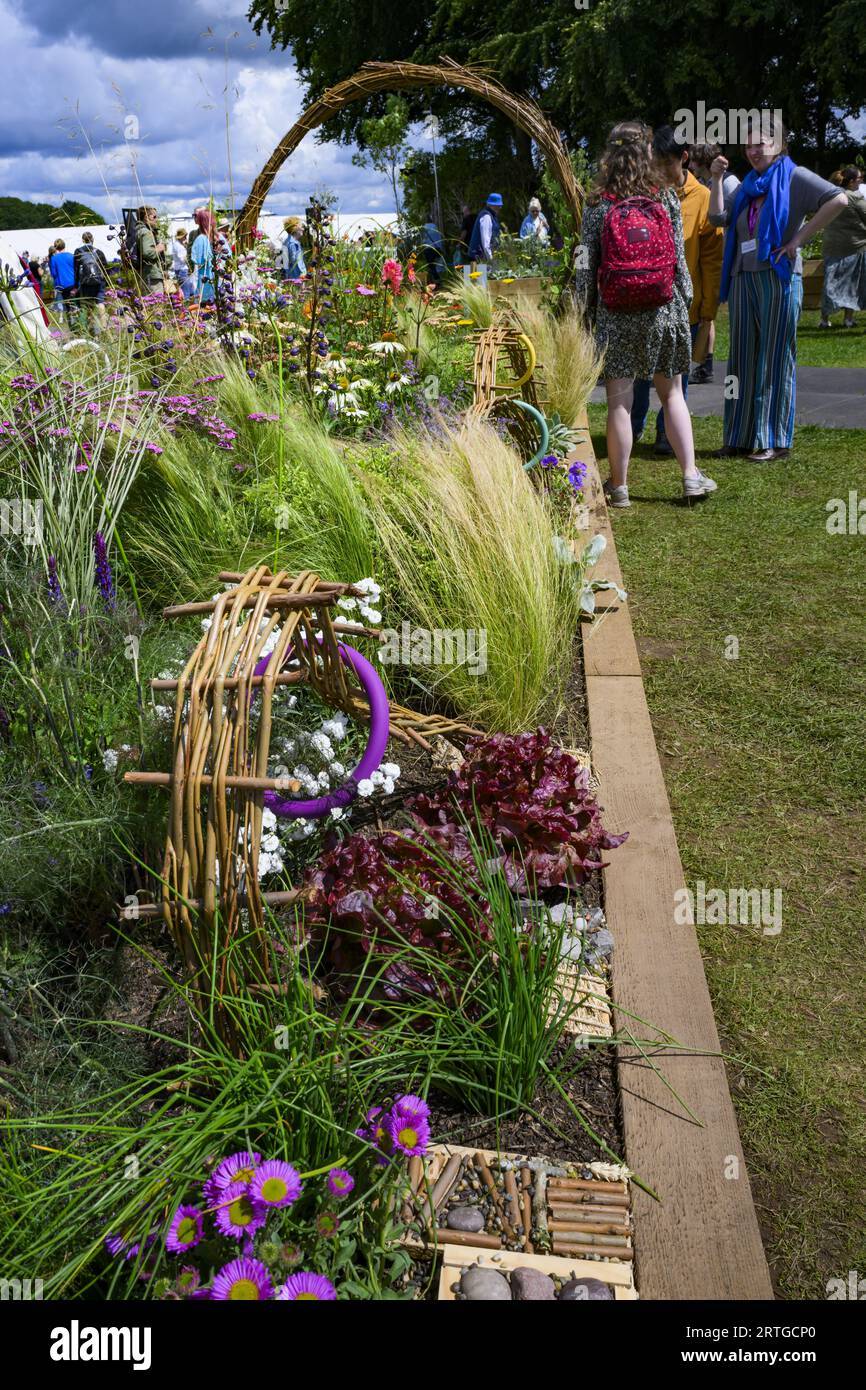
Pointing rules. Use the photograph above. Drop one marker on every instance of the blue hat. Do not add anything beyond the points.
(495, 200)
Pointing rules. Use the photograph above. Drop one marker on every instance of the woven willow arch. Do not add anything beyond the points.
(398, 77)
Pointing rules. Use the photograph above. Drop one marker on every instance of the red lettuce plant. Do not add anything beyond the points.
(385, 892)
(535, 801)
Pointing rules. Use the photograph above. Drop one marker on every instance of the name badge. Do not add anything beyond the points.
(747, 246)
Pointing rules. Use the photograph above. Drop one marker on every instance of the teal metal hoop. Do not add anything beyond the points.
(539, 419)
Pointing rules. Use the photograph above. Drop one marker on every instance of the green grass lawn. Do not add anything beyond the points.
(816, 347)
(765, 763)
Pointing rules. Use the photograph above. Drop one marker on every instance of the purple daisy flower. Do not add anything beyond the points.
(412, 1106)
(185, 1231)
(237, 1167)
(243, 1279)
(276, 1184)
(237, 1214)
(340, 1182)
(305, 1285)
(409, 1133)
(115, 1245)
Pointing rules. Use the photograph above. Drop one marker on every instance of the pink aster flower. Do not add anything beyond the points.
(185, 1231)
(340, 1182)
(276, 1184)
(237, 1214)
(305, 1285)
(243, 1279)
(409, 1133)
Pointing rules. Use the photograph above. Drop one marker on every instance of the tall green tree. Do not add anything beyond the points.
(591, 62)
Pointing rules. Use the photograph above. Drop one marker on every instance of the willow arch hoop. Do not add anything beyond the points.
(395, 77)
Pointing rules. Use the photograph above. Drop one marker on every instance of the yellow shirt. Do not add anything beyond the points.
(704, 249)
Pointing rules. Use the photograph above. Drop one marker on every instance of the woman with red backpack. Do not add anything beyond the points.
(633, 279)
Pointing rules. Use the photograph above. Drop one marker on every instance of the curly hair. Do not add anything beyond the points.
(625, 169)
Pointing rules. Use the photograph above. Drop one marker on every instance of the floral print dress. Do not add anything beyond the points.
(649, 340)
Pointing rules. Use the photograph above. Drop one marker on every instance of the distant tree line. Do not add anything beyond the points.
(18, 213)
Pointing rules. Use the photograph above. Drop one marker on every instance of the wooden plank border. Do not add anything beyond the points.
(702, 1240)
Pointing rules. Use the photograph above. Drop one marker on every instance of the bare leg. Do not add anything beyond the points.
(678, 421)
(620, 394)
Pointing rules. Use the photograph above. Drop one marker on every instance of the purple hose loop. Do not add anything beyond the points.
(376, 744)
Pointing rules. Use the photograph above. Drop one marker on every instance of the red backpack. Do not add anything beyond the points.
(638, 255)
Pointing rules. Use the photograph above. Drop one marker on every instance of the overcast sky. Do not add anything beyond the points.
(76, 71)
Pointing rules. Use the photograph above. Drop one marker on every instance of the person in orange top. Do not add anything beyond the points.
(704, 252)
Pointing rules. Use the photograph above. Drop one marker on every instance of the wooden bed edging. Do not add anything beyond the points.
(702, 1240)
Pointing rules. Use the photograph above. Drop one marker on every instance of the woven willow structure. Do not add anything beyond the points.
(505, 369)
(400, 77)
(220, 745)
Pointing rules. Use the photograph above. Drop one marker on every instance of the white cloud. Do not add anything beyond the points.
(62, 124)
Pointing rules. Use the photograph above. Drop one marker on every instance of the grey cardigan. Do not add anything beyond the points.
(808, 193)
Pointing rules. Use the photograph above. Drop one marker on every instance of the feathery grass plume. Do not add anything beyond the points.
(467, 543)
(567, 353)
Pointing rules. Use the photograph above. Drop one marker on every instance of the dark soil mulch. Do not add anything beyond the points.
(549, 1129)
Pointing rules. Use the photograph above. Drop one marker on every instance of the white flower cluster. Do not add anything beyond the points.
(384, 777)
(365, 606)
(111, 755)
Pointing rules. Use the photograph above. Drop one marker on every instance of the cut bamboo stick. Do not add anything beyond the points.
(232, 682)
(589, 1185)
(565, 1212)
(490, 1183)
(513, 1206)
(563, 1246)
(252, 784)
(273, 600)
(444, 1183)
(132, 911)
(474, 1238)
(590, 1228)
(526, 1212)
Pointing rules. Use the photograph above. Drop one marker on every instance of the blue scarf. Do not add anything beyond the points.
(775, 182)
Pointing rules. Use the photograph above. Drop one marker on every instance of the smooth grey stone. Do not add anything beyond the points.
(532, 1285)
(484, 1285)
(465, 1219)
(585, 1290)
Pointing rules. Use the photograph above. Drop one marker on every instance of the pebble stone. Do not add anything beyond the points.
(585, 1290)
(465, 1219)
(532, 1285)
(484, 1285)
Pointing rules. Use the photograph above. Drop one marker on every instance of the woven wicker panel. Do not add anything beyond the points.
(221, 737)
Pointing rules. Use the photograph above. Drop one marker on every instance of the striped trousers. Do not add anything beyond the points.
(762, 360)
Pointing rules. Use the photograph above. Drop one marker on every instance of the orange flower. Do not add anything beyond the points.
(307, 310)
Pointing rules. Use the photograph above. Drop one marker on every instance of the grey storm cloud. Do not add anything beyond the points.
(158, 29)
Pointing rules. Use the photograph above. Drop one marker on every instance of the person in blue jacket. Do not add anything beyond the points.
(485, 233)
(62, 266)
